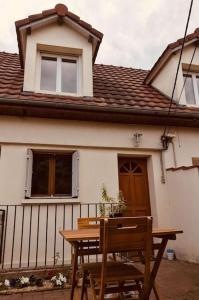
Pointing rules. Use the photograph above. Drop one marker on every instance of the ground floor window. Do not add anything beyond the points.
(52, 174)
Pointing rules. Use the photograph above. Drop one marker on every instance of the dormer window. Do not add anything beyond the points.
(59, 74)
(192, 88)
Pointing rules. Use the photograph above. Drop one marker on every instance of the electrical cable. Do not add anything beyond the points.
(187, 73)
(178, 67)
(184, 83)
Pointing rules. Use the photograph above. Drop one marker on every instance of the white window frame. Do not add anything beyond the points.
(195, 87)
(58, 78)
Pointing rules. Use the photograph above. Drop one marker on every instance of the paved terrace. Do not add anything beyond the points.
(176, 280)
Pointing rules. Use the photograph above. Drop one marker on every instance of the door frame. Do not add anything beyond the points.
(137, 156)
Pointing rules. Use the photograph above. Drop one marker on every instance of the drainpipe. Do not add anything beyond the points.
(163, 177)
(166, 140)
(174, 153)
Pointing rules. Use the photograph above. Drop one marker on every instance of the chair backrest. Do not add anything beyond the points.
(88, 223)
(126, 234)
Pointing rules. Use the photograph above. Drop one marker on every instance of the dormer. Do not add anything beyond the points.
(57, 51)
(162, 75)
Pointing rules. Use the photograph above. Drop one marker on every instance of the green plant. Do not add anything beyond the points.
(121, 204)
(111, 206)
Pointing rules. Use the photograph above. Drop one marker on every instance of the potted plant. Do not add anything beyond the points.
(111, 207)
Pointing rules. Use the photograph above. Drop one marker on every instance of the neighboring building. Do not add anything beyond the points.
(68, 126)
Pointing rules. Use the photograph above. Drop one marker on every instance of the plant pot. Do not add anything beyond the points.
(115, 215)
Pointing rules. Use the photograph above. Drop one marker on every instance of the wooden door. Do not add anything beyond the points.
(133, 182)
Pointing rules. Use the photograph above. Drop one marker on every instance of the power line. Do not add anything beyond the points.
(178, 67)
(164, 138)
(187, 73)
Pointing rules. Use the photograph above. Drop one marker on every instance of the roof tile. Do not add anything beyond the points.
(62, 11)
(113, 87)
(171, 46)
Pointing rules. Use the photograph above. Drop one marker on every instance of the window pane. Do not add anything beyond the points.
(189, 91)
(48, 73)
(63, 175)
(69, 76)
(40, 174)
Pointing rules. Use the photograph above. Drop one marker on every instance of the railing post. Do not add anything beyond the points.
(55, 236)
(13, 236)
(22, 229)
(37, 245)
(4, 233)
(46, 243)
(30, 232)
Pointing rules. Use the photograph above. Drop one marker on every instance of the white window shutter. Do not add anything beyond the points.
(75, 174)
(29, 173)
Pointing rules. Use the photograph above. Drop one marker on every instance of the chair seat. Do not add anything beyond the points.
(115, 271)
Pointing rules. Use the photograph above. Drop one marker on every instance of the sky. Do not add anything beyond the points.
(136, 32)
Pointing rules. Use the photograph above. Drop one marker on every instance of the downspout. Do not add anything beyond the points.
(162, 164)
(174, 153)
(166, 140)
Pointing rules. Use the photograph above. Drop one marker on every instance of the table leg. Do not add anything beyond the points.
(74, 271)
(156, 265)
(156, 291)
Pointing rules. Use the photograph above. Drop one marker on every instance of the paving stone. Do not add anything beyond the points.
(176, 281)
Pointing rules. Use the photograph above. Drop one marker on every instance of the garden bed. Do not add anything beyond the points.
(48, 286)
(25, 281)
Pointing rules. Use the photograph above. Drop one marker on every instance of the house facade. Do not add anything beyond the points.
(68, 126)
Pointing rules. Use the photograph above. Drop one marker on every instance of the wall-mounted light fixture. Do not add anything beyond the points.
(137, 139)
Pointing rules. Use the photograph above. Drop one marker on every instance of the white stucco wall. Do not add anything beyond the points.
(165, 78)
(186, 147)
(184, 202)
(58, 36)
(99, 145)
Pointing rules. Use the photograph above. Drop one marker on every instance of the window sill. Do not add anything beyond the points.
(190, 105)
(49, 200)
(58, 93)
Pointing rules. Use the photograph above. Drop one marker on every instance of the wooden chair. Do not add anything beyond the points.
(118, 235)
(88, 223)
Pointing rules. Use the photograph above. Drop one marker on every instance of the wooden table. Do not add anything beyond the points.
(75, 237)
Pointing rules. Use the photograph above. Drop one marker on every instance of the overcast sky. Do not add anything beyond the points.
(135, 31)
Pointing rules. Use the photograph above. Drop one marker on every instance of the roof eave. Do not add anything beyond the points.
(26, 26)
(62, 110)
(60, 11)
(162, 61)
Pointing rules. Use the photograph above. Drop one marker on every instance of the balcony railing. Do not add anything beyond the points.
(29, 234)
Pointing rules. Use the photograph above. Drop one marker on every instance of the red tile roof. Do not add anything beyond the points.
(172, 46)
(114, 87)
(61, 11)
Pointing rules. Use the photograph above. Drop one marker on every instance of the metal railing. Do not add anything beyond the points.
(2, 218)
(30, 233)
